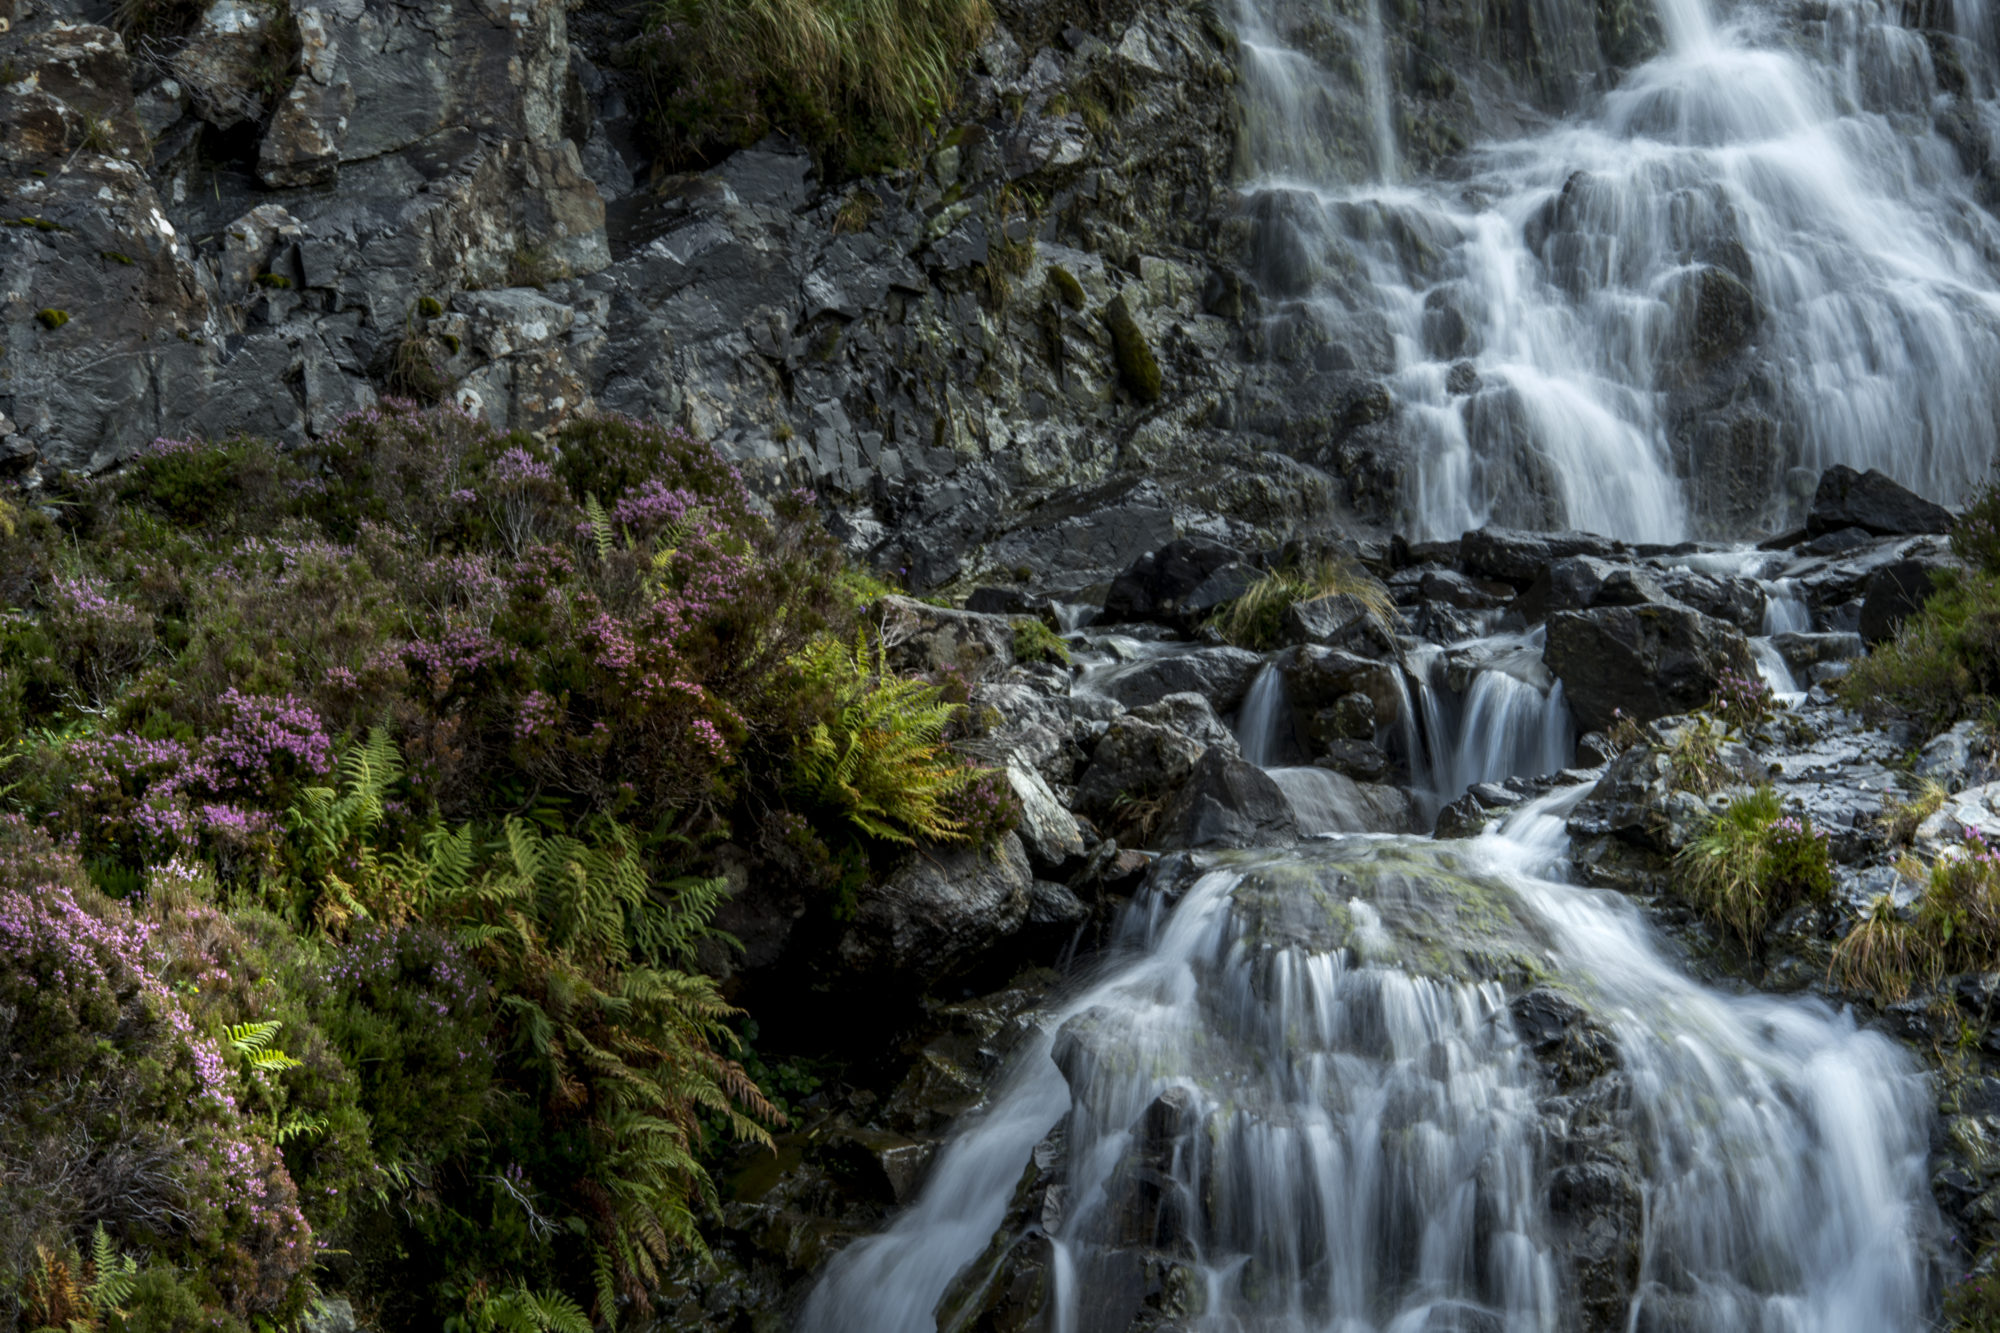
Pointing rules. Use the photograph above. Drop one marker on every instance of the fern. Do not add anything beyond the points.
(583, 946)
(521, 1310)
(251, 1043)
(600, 525)
(880, 758)
(112, 1275)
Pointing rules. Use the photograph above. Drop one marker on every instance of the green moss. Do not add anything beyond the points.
(1067, 289)
(1036, 642)
(276, 281)
(52, 318)
(451, 342)
(34, 223)
(429, 307)
(115, 257)
(1138, 369)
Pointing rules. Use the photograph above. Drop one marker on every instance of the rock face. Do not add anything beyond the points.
(938, 914)
(1874, 503)
(1644, 662)
(1227, 803)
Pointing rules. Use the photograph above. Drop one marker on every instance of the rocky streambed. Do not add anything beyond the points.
(1100, 1162)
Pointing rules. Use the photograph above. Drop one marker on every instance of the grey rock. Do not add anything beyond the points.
(1221, 675)
(1361, 760)
(1159, 582)
(1642, 662)
(1338, 621)
(1517, 557)
(1976, 808)
(1048, 832)
(1193, 716)
(1227, 803)
(1894, 592)
(1135, 759)
(1958, 758)
(1873, 502)
(940, 913)
(920, 637)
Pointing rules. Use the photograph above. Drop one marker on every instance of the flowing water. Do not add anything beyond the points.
(1301, 1092)
(1545, 311)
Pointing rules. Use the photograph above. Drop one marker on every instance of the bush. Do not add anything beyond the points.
(1943, 664)
(397, 764)
(1972, 1304)
(1976, 536)
(1753, 864)
(858, 80)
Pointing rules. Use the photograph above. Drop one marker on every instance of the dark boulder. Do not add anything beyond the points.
(1183, 580)
(1517, 557)
(1135, 760)
(1338, 621)
(1739, 601)
(1641, 661)
(1227, 803)
(938, 915)
(1893, 593)
(1221, 675)
(1873, 502)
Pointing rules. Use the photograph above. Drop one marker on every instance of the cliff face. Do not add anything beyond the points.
(1035, 355)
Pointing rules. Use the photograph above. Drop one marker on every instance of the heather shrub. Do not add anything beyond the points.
(1944, 662)
(389, 770)
(1752, 864)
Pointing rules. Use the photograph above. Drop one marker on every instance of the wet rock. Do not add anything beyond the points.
(1805, 653)
(1362, 760)
(1571, 1047)
(1642, 662)
(1894, 592)
(1722, 313)
(1873, 502)
(1739, 601)
(937, 915)
(1192, 715)
(1135, 760)
(1226, 802)
(1221, 675)
(1518, 558)
(1339, 621)
(1162, 585)
(1318, 678)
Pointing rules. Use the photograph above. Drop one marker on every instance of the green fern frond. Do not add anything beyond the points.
(112, 1274)
(246, 1039)
(600, 525)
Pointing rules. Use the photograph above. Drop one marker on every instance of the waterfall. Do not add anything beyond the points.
(1777, 211)
(1508, 718)
(1263, 725)
(1301, 1096)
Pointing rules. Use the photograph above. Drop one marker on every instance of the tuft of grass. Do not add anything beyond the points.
(1254, 619)
(856, 212)
(860, 80)
(413, 369)
(1036, 642)
(1695, 758)
(1884, 953)
(1753, 864)
(1900, 819)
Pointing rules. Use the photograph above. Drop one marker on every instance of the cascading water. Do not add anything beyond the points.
(1741, 198)
(1298, 1100)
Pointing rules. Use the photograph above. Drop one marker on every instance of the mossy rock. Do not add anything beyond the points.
(1067, 289)
(52, 318)
(1138, 368)
(429, 307)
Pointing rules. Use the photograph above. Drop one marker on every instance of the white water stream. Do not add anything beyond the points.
(1356, 1142)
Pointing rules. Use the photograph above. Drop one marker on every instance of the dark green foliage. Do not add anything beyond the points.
(406, 751)
(1972, 1304)
(1976, 535)
(52, 318)
(1943, 664)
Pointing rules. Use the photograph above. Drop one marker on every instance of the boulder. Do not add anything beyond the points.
(1363, 761)
(1806, 655)
(938, 915)
(1518, 558)
(1644, 662)
(1193, 716)
(1048, 832)
(1873, 502)
(1739, 601)
(1161, 585)
(920, 637)
(1318, 678)
(1341, 620)
(1226, 802)
(1135, 759)
(1893, 593)
(1221, 675)
(1956, 758)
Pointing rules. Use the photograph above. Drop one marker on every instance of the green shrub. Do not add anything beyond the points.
(858, 80)
(1972, 1304)
(1753, 864)
(1975, 538)
(1036, 642)
(1943, 665)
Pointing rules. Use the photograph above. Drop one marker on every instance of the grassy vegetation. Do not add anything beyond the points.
(858, 80)
(362, 812)
(1952, 926)
(1036, 642)
(1753, 864)
(1256, 618)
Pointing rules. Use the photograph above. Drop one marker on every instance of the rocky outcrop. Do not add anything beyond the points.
(1641, 662)
(1873, 502)
(1227, 803)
